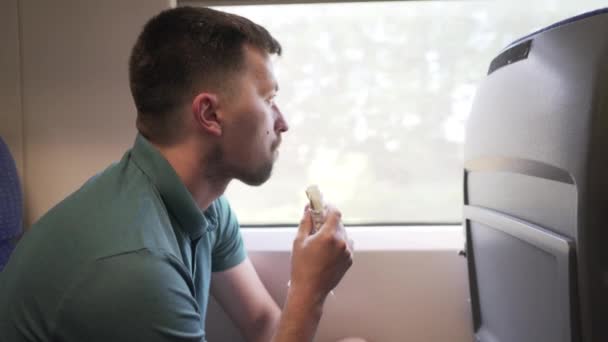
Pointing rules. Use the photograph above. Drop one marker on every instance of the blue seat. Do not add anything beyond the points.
(11, 207)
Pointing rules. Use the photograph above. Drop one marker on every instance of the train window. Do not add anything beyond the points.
(376, 95)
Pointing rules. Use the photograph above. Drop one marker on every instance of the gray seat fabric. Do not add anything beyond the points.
(536, 188)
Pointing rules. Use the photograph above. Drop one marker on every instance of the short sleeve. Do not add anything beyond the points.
(229, 249)
(139, 296)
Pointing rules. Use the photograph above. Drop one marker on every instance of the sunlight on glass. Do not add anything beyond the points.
(377, 95)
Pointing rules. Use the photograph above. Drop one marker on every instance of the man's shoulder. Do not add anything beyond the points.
(120, 187)
(116, 212)
(108, 214)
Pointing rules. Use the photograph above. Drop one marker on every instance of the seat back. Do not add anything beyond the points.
(11, 207)
(536, 188)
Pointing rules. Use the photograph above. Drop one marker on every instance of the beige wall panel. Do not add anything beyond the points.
(78, 112)
(11, 128)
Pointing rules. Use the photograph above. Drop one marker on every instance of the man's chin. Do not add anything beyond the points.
(256, 178)
(254, 181)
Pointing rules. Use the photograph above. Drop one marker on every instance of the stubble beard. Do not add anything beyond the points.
(223, 169)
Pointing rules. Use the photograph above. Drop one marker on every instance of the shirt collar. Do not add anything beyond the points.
(173, 192)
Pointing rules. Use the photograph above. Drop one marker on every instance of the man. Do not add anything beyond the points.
(133, 254)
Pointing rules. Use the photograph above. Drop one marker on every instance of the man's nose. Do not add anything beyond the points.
(280, 124)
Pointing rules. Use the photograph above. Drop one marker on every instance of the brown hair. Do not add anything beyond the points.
(182, 48)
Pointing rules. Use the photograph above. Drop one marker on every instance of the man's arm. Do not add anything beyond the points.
(318, 263)
(138, 296)
(240, 292)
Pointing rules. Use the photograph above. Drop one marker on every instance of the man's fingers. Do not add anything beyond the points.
(333, 220)
(351, 245)
(306, 225)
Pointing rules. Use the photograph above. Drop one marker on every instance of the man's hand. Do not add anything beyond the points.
(320, 260)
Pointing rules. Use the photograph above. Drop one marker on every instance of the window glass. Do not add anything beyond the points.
(376, 95)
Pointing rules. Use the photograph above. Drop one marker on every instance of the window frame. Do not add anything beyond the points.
(273, 2)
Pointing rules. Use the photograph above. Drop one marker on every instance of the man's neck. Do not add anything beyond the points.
(191, 170)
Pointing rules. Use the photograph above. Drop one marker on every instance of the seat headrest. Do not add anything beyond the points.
(566, 21)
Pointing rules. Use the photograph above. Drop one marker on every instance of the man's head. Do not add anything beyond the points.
(197, 72)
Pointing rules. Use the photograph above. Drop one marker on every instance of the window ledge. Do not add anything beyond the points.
(372, 238)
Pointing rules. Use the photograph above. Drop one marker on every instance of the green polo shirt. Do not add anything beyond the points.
(127, 257)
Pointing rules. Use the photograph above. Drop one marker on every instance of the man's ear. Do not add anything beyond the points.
(204, 110)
